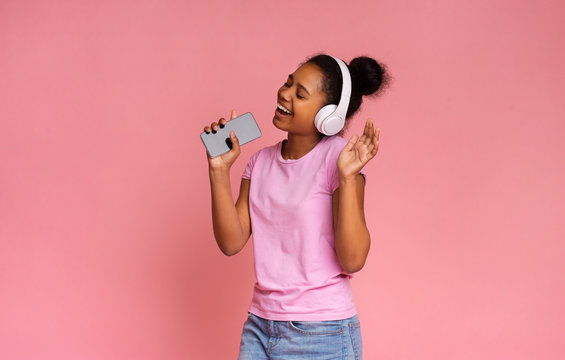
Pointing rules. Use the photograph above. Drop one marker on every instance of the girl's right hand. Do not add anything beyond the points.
(224, 161)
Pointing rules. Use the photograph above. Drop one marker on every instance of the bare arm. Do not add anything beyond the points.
(231, 222)
(352, 238)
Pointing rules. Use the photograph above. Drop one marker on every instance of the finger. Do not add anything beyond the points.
(372, 147)
(366, 139)
(222, 122)
(369, 129)
(207, 129)
(233, 114)
(235, 142)
(376, 142)
(366, 128)
(372, 151)
(360, 141)
(215, 126)
(377, 133)
(372, 132)
(351, 143)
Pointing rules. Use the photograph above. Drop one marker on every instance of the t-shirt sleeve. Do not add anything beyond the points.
(249, 168)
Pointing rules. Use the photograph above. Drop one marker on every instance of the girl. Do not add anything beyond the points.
(302, 199)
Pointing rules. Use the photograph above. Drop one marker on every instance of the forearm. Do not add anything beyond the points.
(352, 238)
(227, 226)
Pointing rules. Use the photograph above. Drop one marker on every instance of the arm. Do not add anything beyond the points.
(231, 222)
(352, 238)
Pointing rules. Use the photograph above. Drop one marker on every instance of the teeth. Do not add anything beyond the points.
(283, 109)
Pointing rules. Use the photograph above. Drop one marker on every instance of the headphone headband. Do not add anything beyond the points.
(331, 118)
(343, 104)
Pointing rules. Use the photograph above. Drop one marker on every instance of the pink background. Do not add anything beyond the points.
(106, 246)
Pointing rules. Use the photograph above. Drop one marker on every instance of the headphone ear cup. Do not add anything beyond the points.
(333, 125)
(322, 115)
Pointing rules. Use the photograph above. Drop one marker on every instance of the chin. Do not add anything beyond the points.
(278, 124)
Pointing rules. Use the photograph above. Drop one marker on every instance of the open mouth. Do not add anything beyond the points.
(282, 110)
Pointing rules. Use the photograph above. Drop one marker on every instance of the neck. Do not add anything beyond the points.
(296, 146)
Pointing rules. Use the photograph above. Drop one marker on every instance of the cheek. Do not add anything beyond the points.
(307, 115)
(312, 109)
(306, 111)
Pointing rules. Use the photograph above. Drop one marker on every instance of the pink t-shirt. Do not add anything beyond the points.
(290, 202)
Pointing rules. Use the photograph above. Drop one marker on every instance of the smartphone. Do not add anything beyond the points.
(219, 142)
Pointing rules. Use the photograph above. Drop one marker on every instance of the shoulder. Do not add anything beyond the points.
(337, 141)
(265, 154)
(266, 151)
(333, 146)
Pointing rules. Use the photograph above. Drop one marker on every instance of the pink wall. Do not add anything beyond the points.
(106, 248)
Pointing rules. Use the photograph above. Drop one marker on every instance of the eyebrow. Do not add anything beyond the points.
(299, 84)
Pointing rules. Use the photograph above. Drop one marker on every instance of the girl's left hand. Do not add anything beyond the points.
(358, 151)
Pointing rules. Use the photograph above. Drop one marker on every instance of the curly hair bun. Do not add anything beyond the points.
(368, 76)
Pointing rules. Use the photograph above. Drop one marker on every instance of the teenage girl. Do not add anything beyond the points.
(302, 199)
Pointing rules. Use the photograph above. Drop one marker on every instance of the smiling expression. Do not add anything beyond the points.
(299, 99)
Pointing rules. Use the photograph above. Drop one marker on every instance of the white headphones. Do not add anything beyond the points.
(331, 118)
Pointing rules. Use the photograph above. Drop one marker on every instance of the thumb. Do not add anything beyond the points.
(233, 114)
(351, 143)
(234, 141)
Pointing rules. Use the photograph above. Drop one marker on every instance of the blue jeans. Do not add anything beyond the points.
(320, 340)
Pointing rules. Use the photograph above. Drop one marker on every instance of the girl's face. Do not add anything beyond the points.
(299, 99)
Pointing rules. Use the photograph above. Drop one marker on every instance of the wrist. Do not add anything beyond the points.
(219, 171)
(346, 179)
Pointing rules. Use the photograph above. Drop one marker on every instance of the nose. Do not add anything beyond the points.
(284, 93)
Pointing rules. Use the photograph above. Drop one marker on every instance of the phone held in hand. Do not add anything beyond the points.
(219, 142)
